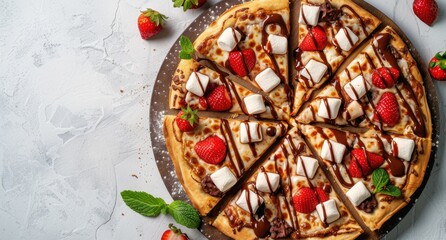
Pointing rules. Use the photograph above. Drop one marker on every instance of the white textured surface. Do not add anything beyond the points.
(70, 139)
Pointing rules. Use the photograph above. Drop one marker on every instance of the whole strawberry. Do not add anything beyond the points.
(211, 150)
(242, 62)
(426, 10)
(385, 77)
(315, 40)
(174, 234)
(219, 99)
(187, 119)
(150, 23)
(387, 109)
(188, 4)
(437, 66)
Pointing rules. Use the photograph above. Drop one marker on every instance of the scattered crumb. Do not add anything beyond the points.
(122, 214)
(135, 176)
(122, 91)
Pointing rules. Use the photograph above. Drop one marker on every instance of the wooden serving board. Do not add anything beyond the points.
(159, 108)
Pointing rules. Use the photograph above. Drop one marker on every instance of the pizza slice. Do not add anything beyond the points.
(211, 157)
(202, 88)
(250, 41)
(289, 196)
(377, 172)
(381, 87)
(329, 31)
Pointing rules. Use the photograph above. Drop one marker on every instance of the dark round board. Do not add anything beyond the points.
(159, 108)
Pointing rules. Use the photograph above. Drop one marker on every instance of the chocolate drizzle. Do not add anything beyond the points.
(226, 131)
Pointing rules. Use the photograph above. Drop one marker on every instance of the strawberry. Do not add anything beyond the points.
(387, 109)
(305, 200)
(242, 62)
(426, 10)
(187, 119)
(321, 194)
(437, 66)
(219, 99)
(385, 77)
(360, 165)
(316, 40)
(203, 103)
(211, 150)
(188, 4)
(174, 234)
(150, 23)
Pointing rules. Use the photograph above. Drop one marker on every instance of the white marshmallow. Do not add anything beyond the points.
(337, 148)
(333, 107)
(254, 104)
(267, 80)
(262, 181)
(279, 44)
(311, 14)
(223, 179)
(229, 39)
(310, 164)
(314, 71)
(358, 193)
(254, 200)
(197, 83)
(343, 40)
(331, 211)
(354, 110)
(254, 134)
(405, 148)
(356, 85)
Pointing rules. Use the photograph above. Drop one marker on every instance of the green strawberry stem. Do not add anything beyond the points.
(441, 61)
(174, 229)
(190, 115)
(155, 16)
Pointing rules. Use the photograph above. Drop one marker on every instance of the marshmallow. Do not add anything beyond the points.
(310, 164)
(310, 14)
(253, 135)
(344, 41)
(337, 148)
(354, 110)
(356, 88)
(404, 147)
(279, 44)
(223, 179)
(267, 80)
(197, 83)
(262, 181)
(314, 71)
(331, 211)
(333, 105)
(229, 39)
(254, 104)
(358, 193)
(254, 201)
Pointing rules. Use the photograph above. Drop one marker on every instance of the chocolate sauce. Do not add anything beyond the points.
(225, 129)
(357, 16)
(267, 179)
(368, 205)
(299, 159)
(251, 145)
(261, 227)
(396, 165)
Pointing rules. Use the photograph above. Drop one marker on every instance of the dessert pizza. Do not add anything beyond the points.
(357, 139)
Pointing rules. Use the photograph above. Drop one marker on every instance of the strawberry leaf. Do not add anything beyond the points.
(187, 48)
(144, 203)
(190, 115)
(443, 64)
(438, 56)
(155, 16)
(380, 178)
(184, 214)
(391, 190)
(432, 64)
(178, 3)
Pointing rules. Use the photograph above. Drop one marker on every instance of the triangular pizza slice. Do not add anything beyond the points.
(250, 41)
(202, 88)
(377, 172)
(289, 197)
(210, 158)
(381, 86)
(329, 31)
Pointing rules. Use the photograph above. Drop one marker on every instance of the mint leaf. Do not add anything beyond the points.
(187, 48)
(391, 190)
(380, 178)
(184, 214)
(144, 203)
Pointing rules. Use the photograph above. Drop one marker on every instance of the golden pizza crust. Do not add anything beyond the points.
(177, 90)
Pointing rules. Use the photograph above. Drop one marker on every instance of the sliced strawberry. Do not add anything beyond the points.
(354, 169)
(203, 103)
(315, 40)
(385, 77)
(321, 194)
(362, 165)
(219, 99)
(387, 109)
(305, 200)
(426, 10)
(173, 234)
(242, 62)
(187, 119)
(437, 66)
(211, 150)
(375, 160)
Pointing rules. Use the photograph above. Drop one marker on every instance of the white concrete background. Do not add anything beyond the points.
(75, 85)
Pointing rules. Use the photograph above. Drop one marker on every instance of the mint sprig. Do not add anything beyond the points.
(150, 206)
(380, 179)
(187, 48)
(186, 4)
